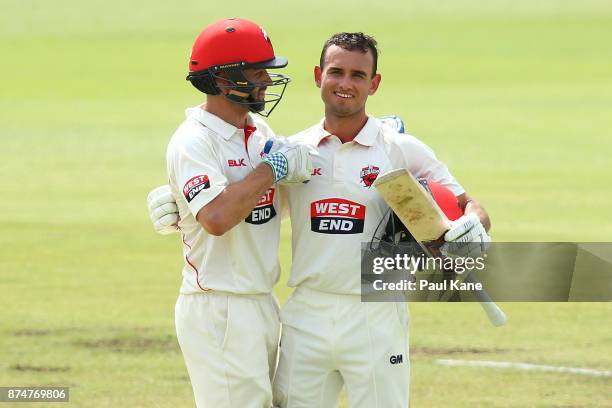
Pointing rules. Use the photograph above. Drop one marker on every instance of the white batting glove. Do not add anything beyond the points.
(163, 210)
(467, 238)
(290, 164)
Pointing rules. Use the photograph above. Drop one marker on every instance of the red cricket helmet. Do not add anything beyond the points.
(233, 41)
(446, 200)
(222, 52)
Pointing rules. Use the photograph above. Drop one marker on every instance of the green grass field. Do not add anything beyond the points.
(517, 99)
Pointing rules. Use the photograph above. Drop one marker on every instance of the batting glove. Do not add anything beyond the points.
(163, 210)
(467, 238)
(272, 145)
(290, 164)
(395, 122)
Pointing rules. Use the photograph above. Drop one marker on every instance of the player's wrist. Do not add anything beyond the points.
(267, 170)
(279, 165)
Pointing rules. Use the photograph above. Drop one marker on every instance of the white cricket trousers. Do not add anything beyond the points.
(230, 346)
(331, 340)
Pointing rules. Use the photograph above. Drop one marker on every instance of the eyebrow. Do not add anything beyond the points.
(337, 69)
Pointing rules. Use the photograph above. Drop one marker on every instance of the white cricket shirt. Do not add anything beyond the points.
(204, 155)
(339, 208)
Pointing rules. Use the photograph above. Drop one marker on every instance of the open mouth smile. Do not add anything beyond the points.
(344, 95)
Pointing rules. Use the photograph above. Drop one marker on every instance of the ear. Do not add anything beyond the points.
(222, 83)
(317, 75)
(374, 84)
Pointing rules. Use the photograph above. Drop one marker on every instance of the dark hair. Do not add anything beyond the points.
(352, 42)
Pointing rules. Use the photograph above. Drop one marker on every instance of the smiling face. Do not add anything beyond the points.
(346, 81)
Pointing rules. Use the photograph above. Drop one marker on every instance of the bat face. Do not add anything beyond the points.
(414, 205)
(418, 211)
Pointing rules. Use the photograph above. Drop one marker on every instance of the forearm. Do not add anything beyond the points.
(236, 201)
(469, 206)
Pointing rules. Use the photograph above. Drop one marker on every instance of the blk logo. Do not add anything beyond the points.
(236, 163)
(399, 359)
(316, 171)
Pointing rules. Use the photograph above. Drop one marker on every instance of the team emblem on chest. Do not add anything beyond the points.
(368, 174)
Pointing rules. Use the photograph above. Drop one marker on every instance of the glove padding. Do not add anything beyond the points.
(467, 238)
(163, 210)
(272, 145)
(394, 122)
(291, 163)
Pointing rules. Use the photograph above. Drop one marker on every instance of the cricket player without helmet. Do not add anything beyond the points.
(226, 194)
(330, 338)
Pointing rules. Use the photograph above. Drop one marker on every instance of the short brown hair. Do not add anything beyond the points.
(352, 42)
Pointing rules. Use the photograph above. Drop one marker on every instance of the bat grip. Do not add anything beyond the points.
(496, 316)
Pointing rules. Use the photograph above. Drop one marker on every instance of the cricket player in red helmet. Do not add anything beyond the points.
(224, 186)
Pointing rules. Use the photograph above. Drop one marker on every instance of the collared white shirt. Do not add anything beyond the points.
(204, 155)
(339, 208)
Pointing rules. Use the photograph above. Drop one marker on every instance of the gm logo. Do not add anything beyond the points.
(399, 359)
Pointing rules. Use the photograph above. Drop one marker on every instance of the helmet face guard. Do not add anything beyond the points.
(244, 92)
(233, 84)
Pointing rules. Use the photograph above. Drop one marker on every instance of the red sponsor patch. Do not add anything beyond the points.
(337, 216)
(267, 198)
(337, 207)
(264, 209)
(316, 171)
(194, 185)
(368, 174)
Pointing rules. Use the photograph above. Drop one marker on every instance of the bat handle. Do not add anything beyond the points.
(496, 316)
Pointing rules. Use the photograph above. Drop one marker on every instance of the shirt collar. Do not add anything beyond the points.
(213, 122)
(367, 134)
(321, 133)
(365, 137)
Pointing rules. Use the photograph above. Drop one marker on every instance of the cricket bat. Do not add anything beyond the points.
(418, 211)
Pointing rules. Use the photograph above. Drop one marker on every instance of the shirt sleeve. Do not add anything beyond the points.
(193, 167)
(422, 162)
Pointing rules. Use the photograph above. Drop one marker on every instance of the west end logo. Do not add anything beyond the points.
(264, 210)
(194, 185)
(337, 216)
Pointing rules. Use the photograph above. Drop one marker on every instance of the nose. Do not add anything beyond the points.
(267, 77)
(345, 82)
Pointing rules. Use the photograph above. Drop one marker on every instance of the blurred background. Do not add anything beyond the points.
(516, 97)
